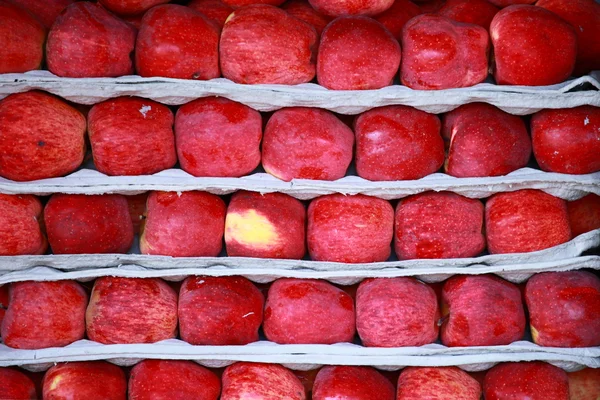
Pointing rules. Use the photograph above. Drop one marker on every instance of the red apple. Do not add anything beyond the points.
(215, 10)
(438, 225)
(478, 128)
(564, 308)
(584, 384)
(478, 12)
(397, 143)
(337, 8)
(130, 7)
(567, 140)
(131, 310)
(219, 311)
(525, 220)
(396, 312)
(350, 229)
(90, 380)
(87, 41)
(23, 38)
(137, 208)
(218, 137)
(584, 214)
(20, 225)
(188, 224)
(16, 385)
(356, 383)
(395, 17)
(302, 10)
(584, 16)
(481, 310)
(526, 380)
(372, 63)
(245, 381)
(172, 380)
(300, 311)
(131, 136)
(44, 314)
(439, 53)
(306, 143)
(80, 224)
(177, 42)
(42, 137)
(448, 383)
(265, 226)
(525, 37)
(44, 10)
(264, 44)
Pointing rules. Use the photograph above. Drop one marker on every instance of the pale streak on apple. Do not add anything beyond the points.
(144, 110)
(251, 229)
(247, 315)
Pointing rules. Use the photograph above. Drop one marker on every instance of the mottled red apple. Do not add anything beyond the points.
(584, 214)
(302, 10)
(396, 312)
(177, 42)
(130, 7)
(564, 308)
(306, 143)
(439, 53)
(372, 63)
(44, 314)
(131, 136)
(525, 62)
(215, 10)
(16, 385)
(525, 220)
(395, 17)
(90, 380)
(567, 140)
(172, 380)
(23, 38)
(265, 226)
(300, 311)
(348, 382)
(131, 310)
(218, 311)
(44, 10)
(20, 225)
(478, 12)
(137, 209)
(264, 44)
(87, 41)
(448, 383)
(350, 229)
(337, 8)
(244, 381)
(526, 380)
(188, 224)
(42, 137)
(584, 384)
(218, 137)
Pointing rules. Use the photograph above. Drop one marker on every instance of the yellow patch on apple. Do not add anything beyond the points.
(55, 382)
(251, 229)
(534, 334)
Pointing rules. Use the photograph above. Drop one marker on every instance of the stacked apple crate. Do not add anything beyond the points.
(356, 257)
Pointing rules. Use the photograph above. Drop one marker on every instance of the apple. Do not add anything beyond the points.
(481, 310)
(218, 137)
(188, 224)
(217, 311)
(46, 11)
(395, 17)
(525, 220)
(567, 140)
(130, 7)
(14, 384)
(397, 143)
(439, 53)
(584, 214)
(42, 137)
(396, 312)
(80, 224)
(264, 44)
(265, 226)
(131, 136)
(349, 382)
(350, 229)
(20, 219)
(300, 311)
(476, 128)
(478, 12)
(306, 143)
(245, 381)
(448, 383)
(23, 38)
(584, 16)
(44, 314)
(172, 380)
(526, 380)
(215, 10)
(87, 41)
(438, 225)
(525, 37)
(372, 63)
(337, 8)
(177, 42)
(564, 308)
(137, 209)
(584, 384)
(90, 380)
(302, 10)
